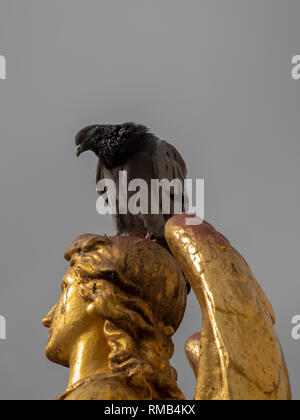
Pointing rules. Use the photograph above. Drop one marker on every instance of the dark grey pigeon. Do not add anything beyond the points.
(131, 147)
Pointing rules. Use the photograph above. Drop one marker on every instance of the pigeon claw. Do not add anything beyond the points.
(149, 236)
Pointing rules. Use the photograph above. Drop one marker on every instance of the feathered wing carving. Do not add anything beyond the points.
(237, 355)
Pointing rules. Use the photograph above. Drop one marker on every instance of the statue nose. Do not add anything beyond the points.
(47, 320)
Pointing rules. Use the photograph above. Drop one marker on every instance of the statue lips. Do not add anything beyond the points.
(50, 334)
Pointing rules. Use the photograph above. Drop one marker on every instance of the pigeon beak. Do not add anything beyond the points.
(79, 151)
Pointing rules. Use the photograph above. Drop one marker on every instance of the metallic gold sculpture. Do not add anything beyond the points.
(122, 300)
(237, 355)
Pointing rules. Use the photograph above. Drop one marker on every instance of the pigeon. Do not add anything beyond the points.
(131, 147)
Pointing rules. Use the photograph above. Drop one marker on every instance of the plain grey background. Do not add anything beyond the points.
(213, 77)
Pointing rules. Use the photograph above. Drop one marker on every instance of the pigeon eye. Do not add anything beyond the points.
(84, 134)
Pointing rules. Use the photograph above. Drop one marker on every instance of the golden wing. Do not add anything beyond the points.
(237, 355)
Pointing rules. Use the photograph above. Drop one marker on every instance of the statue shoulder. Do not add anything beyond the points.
(99, 388)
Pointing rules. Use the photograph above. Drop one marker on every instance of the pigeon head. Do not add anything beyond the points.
(88, 139)
(113, 144)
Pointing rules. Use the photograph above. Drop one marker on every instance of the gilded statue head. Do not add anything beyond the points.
(122, 300)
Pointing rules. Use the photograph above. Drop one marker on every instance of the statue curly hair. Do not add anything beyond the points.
(138, 288)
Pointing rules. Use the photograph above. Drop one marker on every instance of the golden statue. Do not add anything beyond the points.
(122, 300)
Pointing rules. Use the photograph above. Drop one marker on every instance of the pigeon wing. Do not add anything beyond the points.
(169, 164)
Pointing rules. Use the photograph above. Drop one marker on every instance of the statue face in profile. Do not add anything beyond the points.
(68, 320)
(121, 302)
